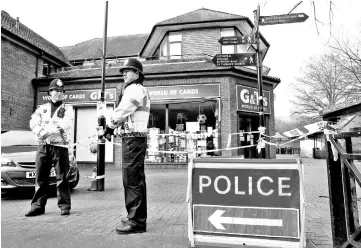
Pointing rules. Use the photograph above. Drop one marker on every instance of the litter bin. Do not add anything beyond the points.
(314, 152)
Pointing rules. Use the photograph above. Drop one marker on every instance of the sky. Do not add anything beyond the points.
(69, 22)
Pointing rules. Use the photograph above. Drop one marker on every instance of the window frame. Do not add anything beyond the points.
(236, 48)
(165, 46)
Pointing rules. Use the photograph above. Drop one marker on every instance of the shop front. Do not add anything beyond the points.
(248, 118)
(183, 119)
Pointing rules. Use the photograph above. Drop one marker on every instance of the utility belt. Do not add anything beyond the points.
(54, 143)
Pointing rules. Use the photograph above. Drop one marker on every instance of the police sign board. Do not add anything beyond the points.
(247, 200)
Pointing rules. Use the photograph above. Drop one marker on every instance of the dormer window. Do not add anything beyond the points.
(171, 46)
(230, 49)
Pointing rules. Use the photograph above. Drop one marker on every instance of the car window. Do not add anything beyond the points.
(18, 138)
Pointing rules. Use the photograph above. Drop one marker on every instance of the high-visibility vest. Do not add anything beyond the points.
(45, 127)
(133, 110)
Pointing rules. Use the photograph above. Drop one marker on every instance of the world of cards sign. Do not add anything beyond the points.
(245, 198)
(237, 59)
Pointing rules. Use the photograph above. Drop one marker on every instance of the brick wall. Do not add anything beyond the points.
(201, 41)
(18, 68)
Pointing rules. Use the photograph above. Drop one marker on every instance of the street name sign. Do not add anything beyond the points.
(282, 19)
(247, 202)
(236, 40)
(237, 59)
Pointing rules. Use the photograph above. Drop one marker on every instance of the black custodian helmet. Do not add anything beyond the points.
(133, 64)
(56, 84)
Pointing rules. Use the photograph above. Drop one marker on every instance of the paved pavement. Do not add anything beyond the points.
(95, 215)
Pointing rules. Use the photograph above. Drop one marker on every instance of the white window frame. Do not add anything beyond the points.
(175, 42)
(227, 32)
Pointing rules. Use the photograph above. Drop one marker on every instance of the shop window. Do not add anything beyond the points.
(46, 69)
(248, 123)
(189, 127)
(175, 45)
(226, 32)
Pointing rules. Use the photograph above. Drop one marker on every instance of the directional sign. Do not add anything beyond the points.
(237, 59)
(282, 19)
(270, 222)
(236, 40)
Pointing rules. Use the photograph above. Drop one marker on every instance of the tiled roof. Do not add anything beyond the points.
(342, 106)
(200, 15)
(155, 67)
(117, 46)
(23, 32)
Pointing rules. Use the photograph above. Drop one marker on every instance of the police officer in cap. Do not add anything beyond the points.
(130, 120)
(51, 123)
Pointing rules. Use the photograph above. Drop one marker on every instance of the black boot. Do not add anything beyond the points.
(128, 229)
(35, 212)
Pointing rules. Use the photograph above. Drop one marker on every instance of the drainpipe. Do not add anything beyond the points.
(37, 65)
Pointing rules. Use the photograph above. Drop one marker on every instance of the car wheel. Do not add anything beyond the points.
(73, 184)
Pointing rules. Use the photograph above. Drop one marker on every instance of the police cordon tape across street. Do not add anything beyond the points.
(324, 126)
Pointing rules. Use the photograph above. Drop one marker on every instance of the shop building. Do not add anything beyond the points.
(190, 96)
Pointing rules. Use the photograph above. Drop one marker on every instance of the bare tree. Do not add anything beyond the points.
(347, 54)
(324, 85)
(283, 125)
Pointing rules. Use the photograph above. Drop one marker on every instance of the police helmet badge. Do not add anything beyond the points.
(59, 83)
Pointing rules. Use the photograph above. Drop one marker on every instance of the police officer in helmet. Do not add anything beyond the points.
(130, 120)
(51, 123)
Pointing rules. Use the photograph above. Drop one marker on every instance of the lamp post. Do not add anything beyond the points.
(101, 106)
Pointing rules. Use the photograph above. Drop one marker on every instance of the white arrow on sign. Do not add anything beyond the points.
(216, 219)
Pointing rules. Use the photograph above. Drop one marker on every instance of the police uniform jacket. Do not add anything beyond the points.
(133, 111)
(46, 127)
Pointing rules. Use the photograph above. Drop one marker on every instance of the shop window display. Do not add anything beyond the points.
(190, 126)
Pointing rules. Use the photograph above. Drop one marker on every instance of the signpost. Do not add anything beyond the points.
(262, 151)
(236, 40)
(246, 202)
(282, 19)
(254, 59)
(237, 59)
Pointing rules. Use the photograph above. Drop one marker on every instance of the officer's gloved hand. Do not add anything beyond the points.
(108, 132)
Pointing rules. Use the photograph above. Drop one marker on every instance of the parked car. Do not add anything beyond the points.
(18, 151)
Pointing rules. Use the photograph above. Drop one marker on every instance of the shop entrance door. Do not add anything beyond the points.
(248, 123)
(86, 123)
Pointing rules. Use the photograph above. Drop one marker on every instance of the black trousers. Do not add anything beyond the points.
(46, 156)
(134, 149)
